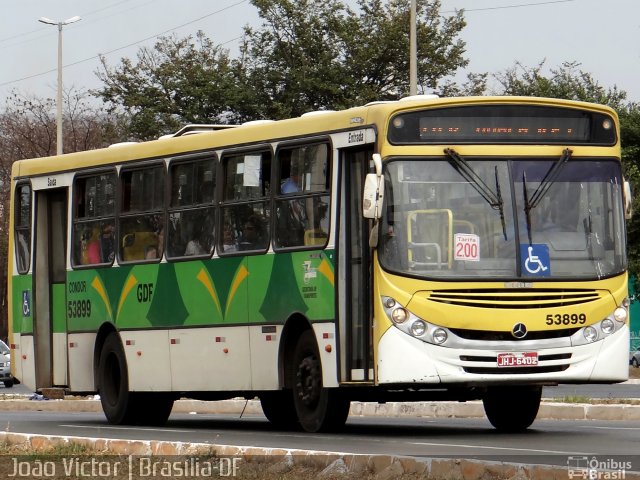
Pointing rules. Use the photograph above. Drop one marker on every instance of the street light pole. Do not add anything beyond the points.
(59, 144)
(413, 54)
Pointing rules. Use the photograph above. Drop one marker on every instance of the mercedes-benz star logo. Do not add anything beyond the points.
(519, 330)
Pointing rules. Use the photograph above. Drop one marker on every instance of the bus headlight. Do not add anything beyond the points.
(620, 314)
(439, 335)
(590, 334)
(418, 328)
(414, 326)
(399, 315)
(607, 326)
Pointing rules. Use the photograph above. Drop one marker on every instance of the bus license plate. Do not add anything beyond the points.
(518, 359)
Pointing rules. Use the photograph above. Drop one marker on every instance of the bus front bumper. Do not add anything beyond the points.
(403, 359)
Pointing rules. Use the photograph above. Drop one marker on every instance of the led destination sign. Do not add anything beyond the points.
(503, 124)
(517, 128)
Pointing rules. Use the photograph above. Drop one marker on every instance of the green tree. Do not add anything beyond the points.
(306, 55)
(377, 48)
(566, 81)
(319, 54)
(178, 81)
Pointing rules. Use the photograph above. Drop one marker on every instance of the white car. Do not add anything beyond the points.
(5, 365)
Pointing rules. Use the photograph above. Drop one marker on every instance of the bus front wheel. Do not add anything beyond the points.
(512, 409)
(318, 408)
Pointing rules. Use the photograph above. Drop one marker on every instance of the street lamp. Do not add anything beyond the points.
(48, 21)
(413, 54)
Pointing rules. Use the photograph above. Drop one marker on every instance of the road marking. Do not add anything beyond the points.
(609, 428)
(128, 428)
(531, 450)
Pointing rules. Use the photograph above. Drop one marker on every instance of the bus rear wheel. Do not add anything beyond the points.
(512, 409)
(279, 409)
(121, 406)
(318, 408)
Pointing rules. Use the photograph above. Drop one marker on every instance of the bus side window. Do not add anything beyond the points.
(93, 219)
(192, 209)
(142, 213)
(246, 211)
(23, 227)
(302, 201)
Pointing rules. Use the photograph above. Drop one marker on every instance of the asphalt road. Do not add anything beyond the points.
(549, 442)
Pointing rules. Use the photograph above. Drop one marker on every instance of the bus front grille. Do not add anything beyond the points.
(490, 336)
(514, 299)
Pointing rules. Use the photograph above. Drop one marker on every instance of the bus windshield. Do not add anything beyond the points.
(533, 218)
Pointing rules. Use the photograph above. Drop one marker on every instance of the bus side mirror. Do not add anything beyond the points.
(373, 195)
(628, 200)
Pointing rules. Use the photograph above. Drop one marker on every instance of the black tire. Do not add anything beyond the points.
(318, 408)
(8, 383)
(120, 406)
(279, 409)
(512, 409)
(634, 362)
(153, 409)
(113, 382)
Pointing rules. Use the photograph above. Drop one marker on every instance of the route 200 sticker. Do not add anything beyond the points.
(466, 247)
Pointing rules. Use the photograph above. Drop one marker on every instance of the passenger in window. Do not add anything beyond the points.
(291, 184)
(228, 240)
(93, 248)
(151, 252)
(195, 245)
(160, 236)
(88, 251)
(252, 234)
(107, 242)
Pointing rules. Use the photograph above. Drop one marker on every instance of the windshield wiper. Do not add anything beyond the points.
(549, 179)
(543, 188)
(493, 199)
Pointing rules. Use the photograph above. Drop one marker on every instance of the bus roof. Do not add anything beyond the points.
(210, 138)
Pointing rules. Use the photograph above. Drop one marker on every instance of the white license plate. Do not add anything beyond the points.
(518, 359)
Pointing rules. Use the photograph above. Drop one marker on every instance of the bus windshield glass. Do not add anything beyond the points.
(464, 218)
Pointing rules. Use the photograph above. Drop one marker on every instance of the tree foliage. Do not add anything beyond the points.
(306, 55)
(314, 54)
(178, 81)
(566, 81)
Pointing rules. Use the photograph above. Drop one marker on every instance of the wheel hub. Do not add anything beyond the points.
(309, 381)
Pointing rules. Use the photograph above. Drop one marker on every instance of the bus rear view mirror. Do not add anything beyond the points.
(372, 197)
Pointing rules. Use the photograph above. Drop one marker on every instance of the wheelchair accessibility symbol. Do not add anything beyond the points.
(535, 260)
(26, 303)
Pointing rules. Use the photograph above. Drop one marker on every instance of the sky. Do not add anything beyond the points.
(601, 35)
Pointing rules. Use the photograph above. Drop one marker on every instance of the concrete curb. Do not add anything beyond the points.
(474, 409)
(333, 464)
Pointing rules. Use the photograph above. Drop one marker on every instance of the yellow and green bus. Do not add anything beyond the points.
(422, 249)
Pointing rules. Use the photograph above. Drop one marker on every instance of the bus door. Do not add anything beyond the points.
(49, 276)
(354, 285)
